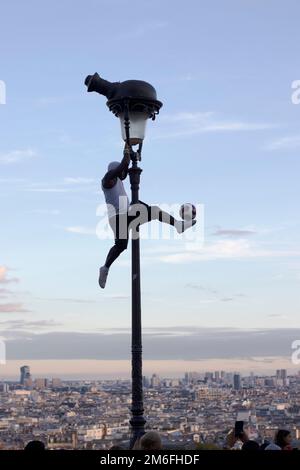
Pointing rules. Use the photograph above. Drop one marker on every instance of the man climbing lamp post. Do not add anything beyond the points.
(133, 101)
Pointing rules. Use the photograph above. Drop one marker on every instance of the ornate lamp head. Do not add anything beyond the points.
(133, 101)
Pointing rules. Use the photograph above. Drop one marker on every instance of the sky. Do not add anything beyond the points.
(227, 138)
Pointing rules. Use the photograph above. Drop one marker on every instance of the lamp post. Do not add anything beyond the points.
(133, 101)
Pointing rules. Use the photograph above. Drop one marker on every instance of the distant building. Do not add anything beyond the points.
(204, 391)
(269, 382)
(281, 378)
(62, 440)
(5, 387)
(92, 433)
(56, 383)
(236, 382)
(146, 382)
(28, 383)
(209, 376)
(22, 393)
(40, 383)
(281, 374)
(228, 377)
(25, 374)
(192, 377)
(155, 381)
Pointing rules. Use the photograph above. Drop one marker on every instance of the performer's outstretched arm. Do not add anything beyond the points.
(120, 171)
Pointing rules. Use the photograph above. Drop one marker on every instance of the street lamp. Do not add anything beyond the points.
(133, 102)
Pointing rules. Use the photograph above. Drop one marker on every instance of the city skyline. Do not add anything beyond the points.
(102, 370)
(28, 380)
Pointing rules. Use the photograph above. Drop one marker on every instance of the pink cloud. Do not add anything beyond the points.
(3, 276)
(12, 308)
(5, 291)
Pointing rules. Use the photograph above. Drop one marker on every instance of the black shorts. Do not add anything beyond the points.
(120, 223)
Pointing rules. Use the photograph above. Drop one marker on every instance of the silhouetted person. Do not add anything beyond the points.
(151, 441)
(35, 446)
(250, 445)
(272, 446)
(264, 445)
(235, 442)
(283, 439)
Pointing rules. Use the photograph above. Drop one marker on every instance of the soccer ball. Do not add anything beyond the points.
(187, 211)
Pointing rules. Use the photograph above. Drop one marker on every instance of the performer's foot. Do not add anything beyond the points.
(103, 272)
(181, 226)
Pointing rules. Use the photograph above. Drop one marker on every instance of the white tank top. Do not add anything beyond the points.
(116, 199)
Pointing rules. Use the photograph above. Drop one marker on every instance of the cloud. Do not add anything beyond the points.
(12, 308)
(78, 180)
(3, 276)
(180, 343)
(51, 100)
(223, 249)
(278, 315)
(117, 297)
(187, 117)
(28, 325)
(141, 30)
(81, 230)
(67, 185)
(12, 180)
(214, 292)
(194, 285)
(63, 299)
(193, 123)
(44, 211)
(285, 143)
(5, 291)
(48, 190)
(16, 156)
(85, 301)
(233, 233)
(188, 77)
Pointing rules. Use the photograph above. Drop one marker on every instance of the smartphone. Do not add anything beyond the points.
(238, 428)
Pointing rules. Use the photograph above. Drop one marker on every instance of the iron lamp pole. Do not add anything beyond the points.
(133, 101)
